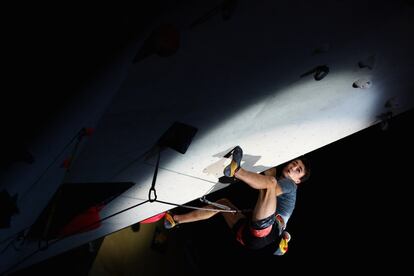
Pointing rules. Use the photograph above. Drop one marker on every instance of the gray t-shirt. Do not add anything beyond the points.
(286, 201)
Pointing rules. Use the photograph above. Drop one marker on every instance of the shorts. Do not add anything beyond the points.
(257, 234)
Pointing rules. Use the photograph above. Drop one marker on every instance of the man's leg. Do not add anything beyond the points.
(196, 215)
(265, 204)
(267, 184)
(256, 181)
(266, 201)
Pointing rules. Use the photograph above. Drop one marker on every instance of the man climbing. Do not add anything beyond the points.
(274, 205)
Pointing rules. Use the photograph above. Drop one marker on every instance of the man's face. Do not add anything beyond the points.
(294, 170)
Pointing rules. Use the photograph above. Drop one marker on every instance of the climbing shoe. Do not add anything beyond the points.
(169, 221)
(234, 166)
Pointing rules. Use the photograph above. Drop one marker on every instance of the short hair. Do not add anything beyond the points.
(307, 165)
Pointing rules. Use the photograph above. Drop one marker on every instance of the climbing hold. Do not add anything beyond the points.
(362, 83)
